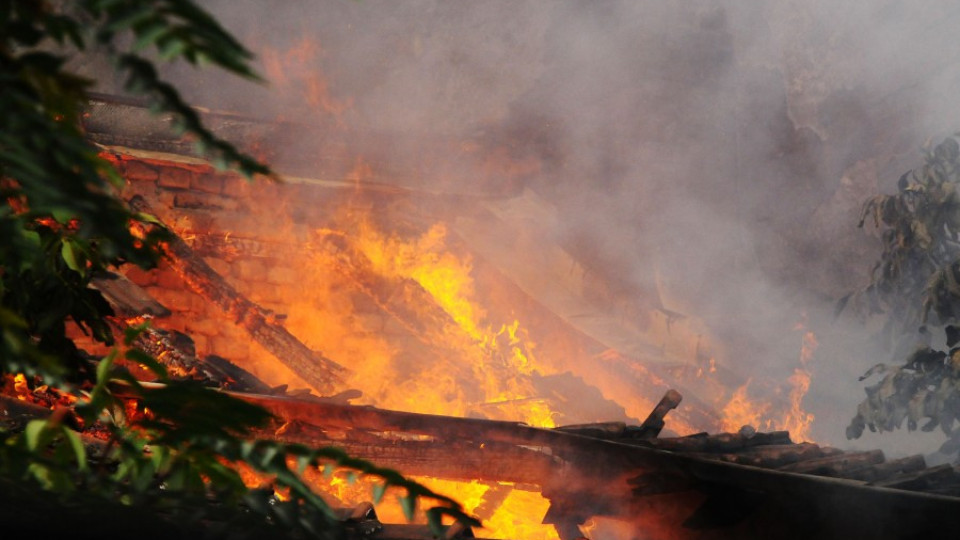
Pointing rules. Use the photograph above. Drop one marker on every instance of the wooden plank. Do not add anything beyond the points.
(888, 469)
(599, 430)
(918, 480)
(836, 465)
(719, 443)
(126, 297)
(654, 423)
(770, 456)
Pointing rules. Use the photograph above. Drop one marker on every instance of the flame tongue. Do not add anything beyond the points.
(770, 414)
(498, 362)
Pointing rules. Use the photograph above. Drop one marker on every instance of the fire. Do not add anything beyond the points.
(798, 421)
(497, 360)
(517, 514)
(457, 363)
(298, 71)
(741, 410)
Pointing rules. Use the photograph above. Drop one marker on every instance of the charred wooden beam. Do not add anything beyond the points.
(624, 375)
(599, 430)
(836, 465)
(159, 344)
(126, 297)
(491, 501)
(403, 299)
(450, 459)
(652, 426)
(770, 456)
(919, 480)
(317, 370)
(887, 469)
(720, 443)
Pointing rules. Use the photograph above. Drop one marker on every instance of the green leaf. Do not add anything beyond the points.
(269, 453)
(103, 368)
(435, 521)
(140, 357)
(33, 434)
(409, 506)
(73, 439)
(148, 32)
(71, 255)
(378, 491)
(303, 461)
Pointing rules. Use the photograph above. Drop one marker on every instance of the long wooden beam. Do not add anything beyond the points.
(316, 369)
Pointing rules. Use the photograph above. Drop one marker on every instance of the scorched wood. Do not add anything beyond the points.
(317, 370)
(837, 465)
(454, 460)
(720, 443)
(654, 423)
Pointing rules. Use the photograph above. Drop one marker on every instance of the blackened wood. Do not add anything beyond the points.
(126, 297)
(317, 370)
(491, 501)
(888, 469)
(654, 423)
(454, 460)
(720, 443)
(836, 465)
(661, 483)
(919, 480)
(599, 430)
(771, 456)
(231, 376)
(180, 363)
(20, 410)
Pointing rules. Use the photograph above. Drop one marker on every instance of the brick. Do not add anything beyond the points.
(176, 323)
(147, 190)
(168, 279)
(172, 177)
(195, 200)
(207, 183)
(250, 270)
(175, 300)
(205, 326)
(164, 199)
(141, 277)
(281, 275)
(201, 344)
(235, 186)
(265, 295)
(135, 170)
(230, 348)
(219, 266)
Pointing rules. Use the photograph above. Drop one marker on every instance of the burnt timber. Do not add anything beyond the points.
(727, 485)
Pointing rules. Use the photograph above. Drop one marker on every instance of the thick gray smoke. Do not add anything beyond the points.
(709, 156)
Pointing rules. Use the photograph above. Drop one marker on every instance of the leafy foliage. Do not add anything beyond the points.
(916, 283)
(169, 448)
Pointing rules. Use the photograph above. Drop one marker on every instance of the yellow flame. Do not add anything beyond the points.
(498, 358)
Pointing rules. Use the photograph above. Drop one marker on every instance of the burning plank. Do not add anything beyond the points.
(317, 370)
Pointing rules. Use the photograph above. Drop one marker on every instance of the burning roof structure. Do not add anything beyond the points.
(420, 294)
(478, 410)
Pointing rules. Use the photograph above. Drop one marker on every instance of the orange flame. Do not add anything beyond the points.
(762, 414)
(499, 359)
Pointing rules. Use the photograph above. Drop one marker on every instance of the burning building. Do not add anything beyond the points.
(444, 278)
